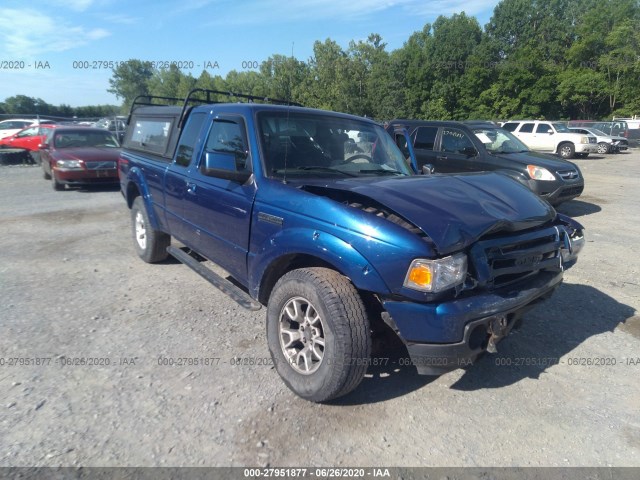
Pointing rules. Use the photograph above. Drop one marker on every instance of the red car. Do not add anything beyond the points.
(29, 138)
(80, 156)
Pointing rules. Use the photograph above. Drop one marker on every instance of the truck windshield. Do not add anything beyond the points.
(499, 140)
(561, 128)
(303, 144)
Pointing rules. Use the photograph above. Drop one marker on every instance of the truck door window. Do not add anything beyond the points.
(228, 136)
(425, 138)
(189, 138)
(526, 128)
(456, 141)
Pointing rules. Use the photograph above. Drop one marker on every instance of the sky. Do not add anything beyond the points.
(62, 51)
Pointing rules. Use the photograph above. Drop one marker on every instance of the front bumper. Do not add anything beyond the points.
(86, 177)
(558, 191)
(445, 336)
(586, 148)
(564, 193)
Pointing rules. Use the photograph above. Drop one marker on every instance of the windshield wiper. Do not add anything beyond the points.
(382, 170)
(319, 168)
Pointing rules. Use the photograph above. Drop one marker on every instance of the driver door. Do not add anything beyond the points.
(456, 152)
(218, 211)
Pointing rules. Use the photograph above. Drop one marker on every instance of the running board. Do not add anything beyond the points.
(225, 286)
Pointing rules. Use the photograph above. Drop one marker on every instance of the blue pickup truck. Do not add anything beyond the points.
(318, 217)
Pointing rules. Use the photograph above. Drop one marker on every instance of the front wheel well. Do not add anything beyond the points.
(282, 266)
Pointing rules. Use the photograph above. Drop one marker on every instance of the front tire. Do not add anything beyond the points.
(151, 245)
(57, 186)
(566, 150)
(318, 333)
(603, 148)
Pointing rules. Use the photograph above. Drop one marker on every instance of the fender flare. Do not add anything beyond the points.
(135, 177)
(317, 244)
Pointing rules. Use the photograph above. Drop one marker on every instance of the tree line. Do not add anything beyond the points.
(534, 59)
(22, 104)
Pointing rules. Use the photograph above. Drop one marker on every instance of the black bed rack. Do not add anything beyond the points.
(191, 99)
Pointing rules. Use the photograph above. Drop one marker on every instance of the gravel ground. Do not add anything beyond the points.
(73, 288)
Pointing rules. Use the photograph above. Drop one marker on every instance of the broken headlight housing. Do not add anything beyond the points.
(435, 276)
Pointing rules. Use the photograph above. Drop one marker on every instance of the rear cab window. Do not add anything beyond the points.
(150, 134)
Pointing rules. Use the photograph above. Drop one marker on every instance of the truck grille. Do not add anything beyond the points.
(505, 260)
(110, 165)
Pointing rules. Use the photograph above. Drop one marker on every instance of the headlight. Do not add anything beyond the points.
(69, 164)
(436, 275)
(539, 173)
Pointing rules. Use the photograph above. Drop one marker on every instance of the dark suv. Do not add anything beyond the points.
(474, 146)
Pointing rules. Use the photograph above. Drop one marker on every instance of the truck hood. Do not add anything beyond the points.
(453, 210)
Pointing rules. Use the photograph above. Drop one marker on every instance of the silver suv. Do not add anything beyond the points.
(552, 137)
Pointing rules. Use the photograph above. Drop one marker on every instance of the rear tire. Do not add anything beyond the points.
(318, 333)
(151, 245)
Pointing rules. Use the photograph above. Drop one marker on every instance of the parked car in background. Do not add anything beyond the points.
(29, 138)
(606, 143)
(14, 125)
(80, 156)
(553, 137)
(633, 123)
(462, 147)
(116, 125)
(618, 128)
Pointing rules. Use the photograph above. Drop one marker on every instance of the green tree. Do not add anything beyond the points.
(131, 79)
(608, 43)
(165, 82)
(327, 85)
(282, 77)
(27, 105)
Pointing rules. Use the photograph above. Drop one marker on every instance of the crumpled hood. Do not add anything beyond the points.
(456, 210)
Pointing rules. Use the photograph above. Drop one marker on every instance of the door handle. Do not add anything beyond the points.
(191, 188)
(442, 158)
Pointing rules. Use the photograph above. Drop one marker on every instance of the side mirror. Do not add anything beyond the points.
(470, 152)
(428, 169)
(550, 132)
(223, 165)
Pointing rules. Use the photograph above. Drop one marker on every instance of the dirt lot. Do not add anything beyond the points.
(562, 391)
